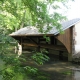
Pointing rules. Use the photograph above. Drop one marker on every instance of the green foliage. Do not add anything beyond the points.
(13, 65)
(16, 14)
(9, 74)
(67, 72)
(42, 78)
(31, 71)
(14, 68)
(40, 57)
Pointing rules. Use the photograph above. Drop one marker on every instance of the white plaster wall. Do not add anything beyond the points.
(77, 38)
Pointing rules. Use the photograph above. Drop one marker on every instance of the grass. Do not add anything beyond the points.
(67, 72)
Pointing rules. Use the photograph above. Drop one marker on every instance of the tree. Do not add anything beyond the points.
(15, 14)
(20, 13)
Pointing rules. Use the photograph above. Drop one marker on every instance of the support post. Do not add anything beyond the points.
(38, 49)
(20, 48)
(69, 57)
(60, 55)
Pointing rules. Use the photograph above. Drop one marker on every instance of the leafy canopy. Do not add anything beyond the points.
(15, 14)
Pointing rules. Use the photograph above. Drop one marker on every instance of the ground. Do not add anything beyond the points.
(56, 69)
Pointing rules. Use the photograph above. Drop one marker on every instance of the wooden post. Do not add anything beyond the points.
(20, 48)
(60, 55)
(53, 40)
(69, 56)
(38, 49)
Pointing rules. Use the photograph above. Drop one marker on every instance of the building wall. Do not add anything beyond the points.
(66, 39)
(77, 38)
(58, 54)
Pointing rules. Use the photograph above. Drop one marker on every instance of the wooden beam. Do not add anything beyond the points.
(49, 46)
(55, 47)
(30, 44)
(32, 40)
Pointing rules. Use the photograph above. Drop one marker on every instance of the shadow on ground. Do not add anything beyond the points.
(55, 69)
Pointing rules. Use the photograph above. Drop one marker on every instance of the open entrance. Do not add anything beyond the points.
(55, 48)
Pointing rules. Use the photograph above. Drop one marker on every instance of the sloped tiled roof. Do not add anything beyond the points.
(30, 30)
(68, 24)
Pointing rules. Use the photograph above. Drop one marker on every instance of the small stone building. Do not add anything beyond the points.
(63, 46)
